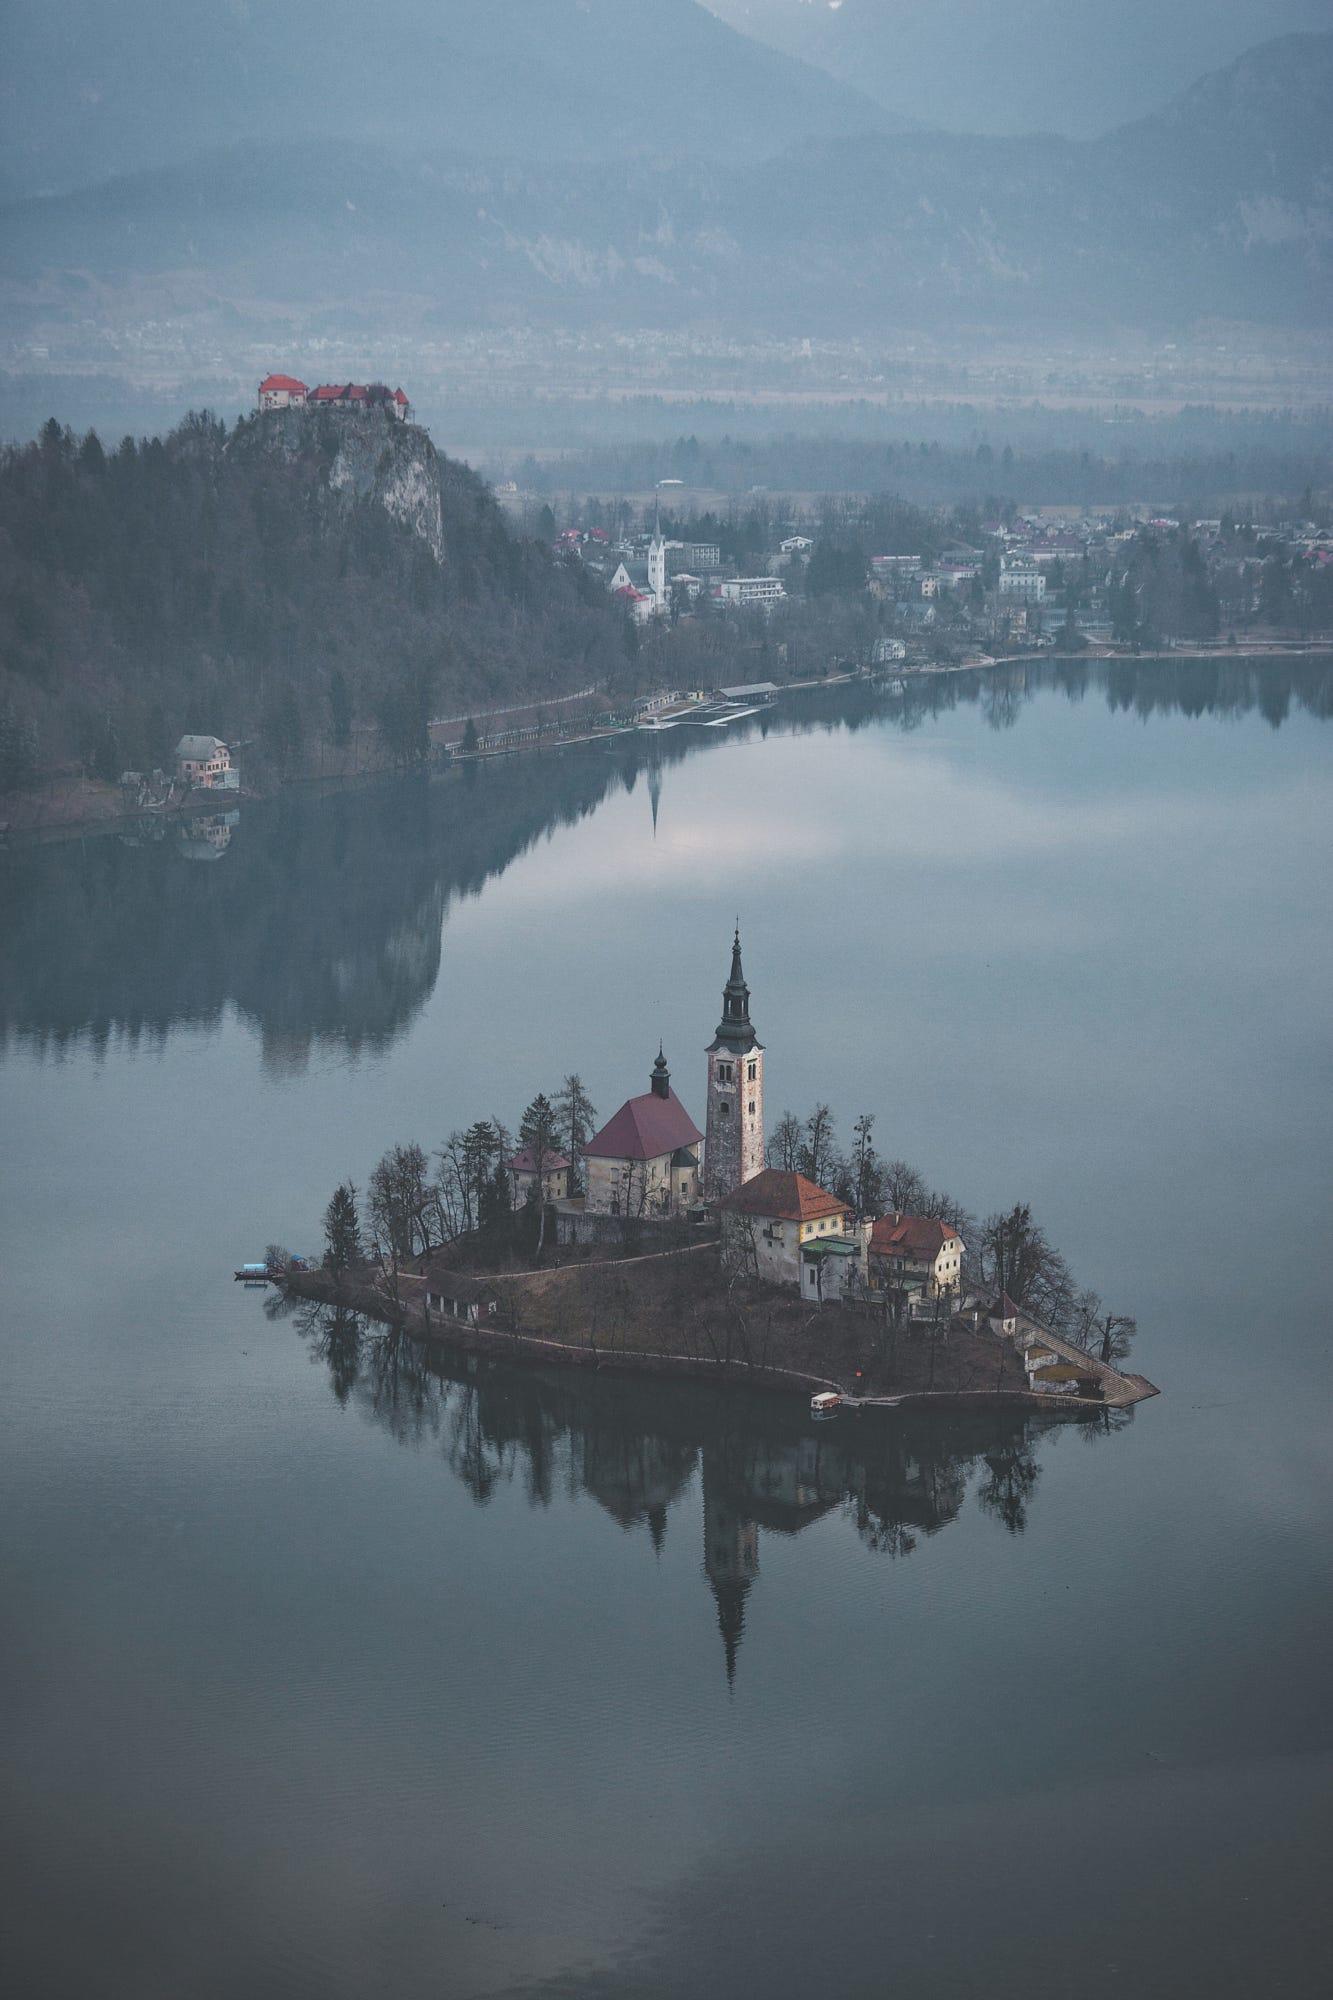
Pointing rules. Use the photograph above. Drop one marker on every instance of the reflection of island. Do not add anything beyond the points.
(634, 1448)
(325, 924)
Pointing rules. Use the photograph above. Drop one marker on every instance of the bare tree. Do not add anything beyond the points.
(903, 1188)
(818, 1145)
(401, 1202)
(784, 1146)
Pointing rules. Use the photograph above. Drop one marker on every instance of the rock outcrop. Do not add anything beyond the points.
(366, 455)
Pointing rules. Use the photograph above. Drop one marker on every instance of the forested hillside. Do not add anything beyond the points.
(249, 584)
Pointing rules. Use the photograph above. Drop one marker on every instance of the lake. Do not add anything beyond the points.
(327, 1674)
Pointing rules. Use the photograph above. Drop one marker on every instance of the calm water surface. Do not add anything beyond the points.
(323, 1677)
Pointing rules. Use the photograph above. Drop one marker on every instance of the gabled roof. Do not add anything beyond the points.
(523, 1162)
(199, 749)
(288, 382)
(645, 1128)
(919, 1237)
(783, 1197)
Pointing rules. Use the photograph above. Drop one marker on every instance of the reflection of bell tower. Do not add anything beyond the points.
(731, 1559)
(734, 1138)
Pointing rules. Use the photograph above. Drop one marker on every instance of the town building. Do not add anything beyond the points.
(645, 1160)
(522, 1169)
(914, 1253)
(734, 1149)
(768, 1221)
(750, 590)
(279, 392)
(205, 761)
(1021, 579)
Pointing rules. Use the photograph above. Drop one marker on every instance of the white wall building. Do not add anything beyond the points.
(747, 590)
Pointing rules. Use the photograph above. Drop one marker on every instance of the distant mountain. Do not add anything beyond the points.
(1221, 205)
(1016, 66)
(92, 90)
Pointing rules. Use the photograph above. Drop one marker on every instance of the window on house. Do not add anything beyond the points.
(753, 1071)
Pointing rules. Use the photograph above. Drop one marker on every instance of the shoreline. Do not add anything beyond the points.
(542, 1350)
(59, 828)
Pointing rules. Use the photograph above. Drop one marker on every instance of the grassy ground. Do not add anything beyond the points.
(687, 1305)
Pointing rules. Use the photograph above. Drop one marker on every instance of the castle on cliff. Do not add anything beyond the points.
(287, 392)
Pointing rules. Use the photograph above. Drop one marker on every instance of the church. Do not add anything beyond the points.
(650, 1162)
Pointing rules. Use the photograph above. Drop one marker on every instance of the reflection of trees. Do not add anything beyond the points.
(322, 922)
(1011, 1476)
(634, 1447)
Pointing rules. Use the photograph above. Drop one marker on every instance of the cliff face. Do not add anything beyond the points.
(366, 455)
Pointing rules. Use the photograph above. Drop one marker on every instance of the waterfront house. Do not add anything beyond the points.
(522, 1168)
(769, 1220)
(915, 1253)
(206, 761)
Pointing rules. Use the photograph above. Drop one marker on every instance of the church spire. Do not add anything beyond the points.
(735, 1028)
(661, 1078)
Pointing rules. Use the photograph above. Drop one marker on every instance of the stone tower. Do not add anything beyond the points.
(734, 1134)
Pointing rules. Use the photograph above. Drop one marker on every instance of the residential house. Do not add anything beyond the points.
(744, 591)
(915, 1253)
(205, 761)
(522, 1169)
(769, 1220)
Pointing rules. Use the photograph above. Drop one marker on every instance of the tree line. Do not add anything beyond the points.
(211, 581)
(416, 1203)
(1007, 1254)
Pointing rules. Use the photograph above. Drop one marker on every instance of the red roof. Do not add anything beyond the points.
(917, 1237)
(645, 1128)
(399, 397)
(523, 1162)
(784, 1196)
(288, 382)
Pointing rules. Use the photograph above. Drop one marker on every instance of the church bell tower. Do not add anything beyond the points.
(734, 1139)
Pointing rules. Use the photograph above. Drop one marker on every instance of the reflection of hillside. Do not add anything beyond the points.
(323, 921)
(634, 1447)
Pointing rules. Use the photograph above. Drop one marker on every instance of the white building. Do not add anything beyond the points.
(747, 590)
(769, 1222)
(279, 392)
(204, 760)
(1023, 581)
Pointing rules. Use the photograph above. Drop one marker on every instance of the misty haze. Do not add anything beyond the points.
(666, 772)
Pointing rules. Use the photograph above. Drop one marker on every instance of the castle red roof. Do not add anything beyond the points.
(288, 382)
(645, 1128)
(783, 1197)
(399, 397)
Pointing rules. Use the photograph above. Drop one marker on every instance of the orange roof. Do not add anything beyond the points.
(785, 1197)
(919, 1237)
(281, 382)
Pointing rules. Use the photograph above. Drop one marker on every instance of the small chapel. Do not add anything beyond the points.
(650, 1162)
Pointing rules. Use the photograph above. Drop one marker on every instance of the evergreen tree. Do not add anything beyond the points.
(342, 1231)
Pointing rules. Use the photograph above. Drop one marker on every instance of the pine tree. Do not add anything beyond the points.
(342, 1231)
